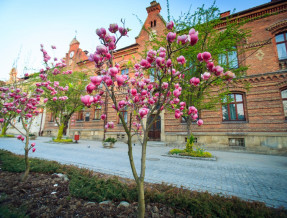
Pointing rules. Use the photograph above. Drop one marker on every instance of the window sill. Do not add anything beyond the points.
(96, 119)
(235, 121)
(79, 121)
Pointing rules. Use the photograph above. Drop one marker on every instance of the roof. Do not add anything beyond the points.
(74, 41)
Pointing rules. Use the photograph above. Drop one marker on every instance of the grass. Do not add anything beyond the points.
(63, 140)
(85, 185)
(8, 136)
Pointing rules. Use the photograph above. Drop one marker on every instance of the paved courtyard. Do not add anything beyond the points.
(248, 176)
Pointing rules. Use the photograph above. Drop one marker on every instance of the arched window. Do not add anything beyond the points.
(151, 23)
(281, 44)
(154, 23)
(284, 102)
(233, 107)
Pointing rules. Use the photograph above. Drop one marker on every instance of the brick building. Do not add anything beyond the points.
(257, 118)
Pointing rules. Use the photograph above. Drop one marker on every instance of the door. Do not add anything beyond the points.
(154, 132)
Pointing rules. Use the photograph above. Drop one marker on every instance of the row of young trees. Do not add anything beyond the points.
(183, 64)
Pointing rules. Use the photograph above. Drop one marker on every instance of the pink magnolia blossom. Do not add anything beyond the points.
(123, 31)
(19, 137)
(103, 116)
(171, 37)
(205, 76)
(206, 56)
(176, 93)
(143, 112)
(101, 32)
(18, 111)
(2, 120)
(199, 122)
(182, 39)
(110, 125)
(33, 144)
(133, 92)
(34, 149)
(194, 81)
(45, 100)
(120, 80)
(96, 80)
(181, 60)
(193, 36)
(170, 25)
(90, 88)
(113, 28)
(113, 71)
(55, 99)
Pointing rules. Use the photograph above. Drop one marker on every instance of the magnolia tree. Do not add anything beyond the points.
(62, 90)
(23, 104)
(205, 72)
(142, 99)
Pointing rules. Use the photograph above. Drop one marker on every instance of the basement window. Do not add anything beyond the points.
(237, 142)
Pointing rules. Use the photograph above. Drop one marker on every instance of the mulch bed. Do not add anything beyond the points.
(46, 195)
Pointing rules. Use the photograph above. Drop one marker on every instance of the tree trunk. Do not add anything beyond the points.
(60, 132)
(4, 128)
(27, 164)
(141, 200)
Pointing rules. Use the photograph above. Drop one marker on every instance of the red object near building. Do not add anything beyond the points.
(77, 138)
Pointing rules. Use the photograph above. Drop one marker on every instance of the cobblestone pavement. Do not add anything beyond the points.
(248, 176)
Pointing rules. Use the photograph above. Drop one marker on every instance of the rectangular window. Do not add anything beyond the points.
(52, 117)
(281, 44)
(97, 113)
(87, 117)
(80, 116)
(239, 142)
(284, 102)
(229, 58)
(233, 108)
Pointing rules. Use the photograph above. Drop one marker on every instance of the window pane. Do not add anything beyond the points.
(222, 59)
(224, 112)
(280, 38)
(232, 111)
(231, 98)
(281, 48)
(238, 97)
(285, 108)
(126, 116)
(284, 93)
(232, 59)
(240, 112)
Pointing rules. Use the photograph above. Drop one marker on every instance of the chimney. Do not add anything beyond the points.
(225, 14)
(154, 6)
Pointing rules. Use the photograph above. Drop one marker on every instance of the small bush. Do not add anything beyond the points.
(8, 136)
(113, 140)
(63, 140)
(176, 151)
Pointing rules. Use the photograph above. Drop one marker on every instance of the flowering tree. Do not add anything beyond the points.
(136, 94)
(23, 104)
(62, 89)
(203, 71)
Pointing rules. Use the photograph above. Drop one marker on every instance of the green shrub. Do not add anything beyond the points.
(11, 212)
(8, 136)
(113, 140)
(63, 140)
(176, 151)
(189, 144)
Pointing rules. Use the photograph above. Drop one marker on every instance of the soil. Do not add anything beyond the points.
(45, 195)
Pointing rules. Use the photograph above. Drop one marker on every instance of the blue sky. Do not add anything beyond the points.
(24, 25)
